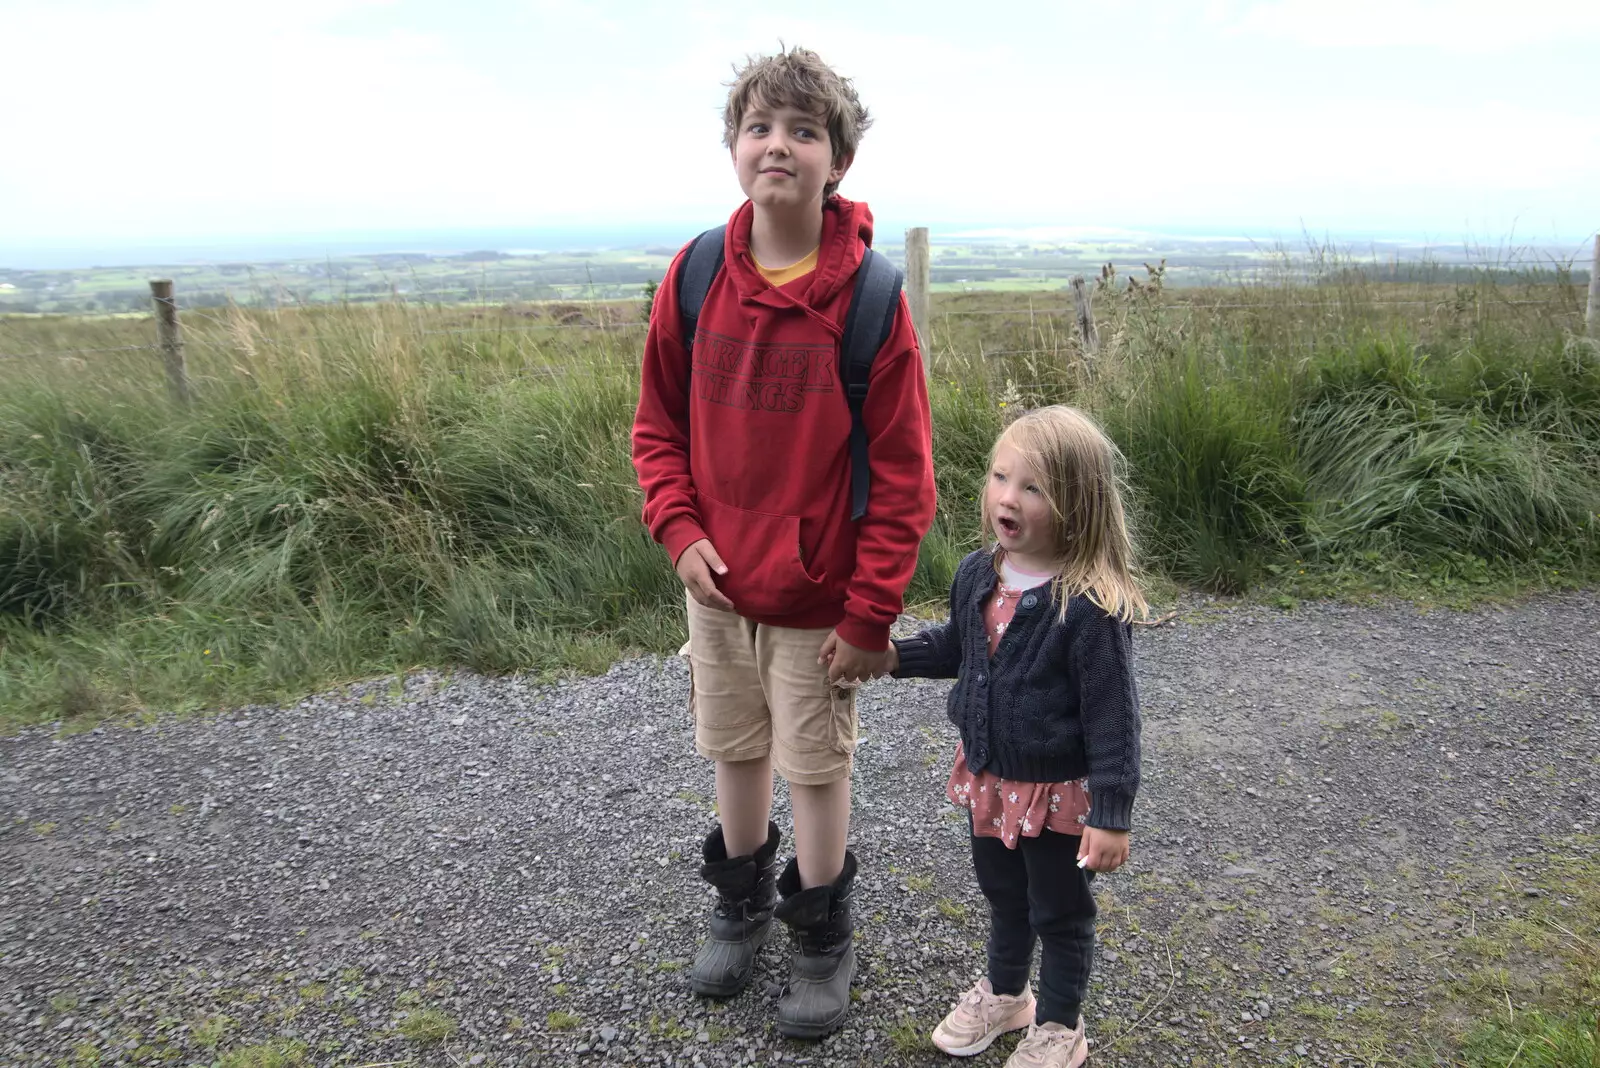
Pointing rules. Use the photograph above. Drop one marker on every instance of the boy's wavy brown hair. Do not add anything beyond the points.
(798, 78)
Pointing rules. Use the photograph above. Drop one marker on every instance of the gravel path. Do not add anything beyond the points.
(489, 871)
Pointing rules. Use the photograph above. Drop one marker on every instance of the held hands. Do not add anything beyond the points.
(1104, 851)
(850, 666)
(695, 568)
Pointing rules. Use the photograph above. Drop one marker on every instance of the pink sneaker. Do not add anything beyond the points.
(980, 1017)
(1051, 1045)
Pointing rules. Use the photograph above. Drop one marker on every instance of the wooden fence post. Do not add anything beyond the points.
(171, 337)
(1592, 316)
(917, 273)
(1083, 309)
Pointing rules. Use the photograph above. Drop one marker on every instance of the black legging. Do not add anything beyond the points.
(1038, 890)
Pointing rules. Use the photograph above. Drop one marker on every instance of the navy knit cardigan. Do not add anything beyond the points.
(1056, 702)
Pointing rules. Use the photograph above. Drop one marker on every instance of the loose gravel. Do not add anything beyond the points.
(461, 870)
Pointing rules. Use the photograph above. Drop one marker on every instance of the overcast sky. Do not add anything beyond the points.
(126, 121)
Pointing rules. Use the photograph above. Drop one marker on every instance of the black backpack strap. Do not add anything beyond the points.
(866, 327)
(700, 266)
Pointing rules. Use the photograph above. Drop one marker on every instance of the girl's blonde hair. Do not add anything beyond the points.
(1078, 471)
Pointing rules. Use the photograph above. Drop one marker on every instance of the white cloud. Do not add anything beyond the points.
(204, 117)
(1464, 26)
(186, 119)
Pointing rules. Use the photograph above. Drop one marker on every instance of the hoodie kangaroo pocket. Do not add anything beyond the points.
(766, 576)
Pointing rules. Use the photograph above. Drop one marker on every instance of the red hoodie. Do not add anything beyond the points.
(752, 451)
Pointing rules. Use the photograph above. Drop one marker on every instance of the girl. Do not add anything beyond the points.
(1048, 764)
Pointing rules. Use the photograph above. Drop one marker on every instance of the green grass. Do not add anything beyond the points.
(910, 1036)
(427, 1026)
(361, 491)
(210, 1031)
(1551, 959)
(279, 1053)
(1522, 988)
(561, 1020)
(84, 1055)
(1537, 1041)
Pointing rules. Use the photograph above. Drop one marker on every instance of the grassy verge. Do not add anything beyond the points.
(1546, 953)
(365, 490)
(1472, 962)
(1518, 984)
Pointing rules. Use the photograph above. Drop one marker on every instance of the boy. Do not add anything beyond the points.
(741, 443)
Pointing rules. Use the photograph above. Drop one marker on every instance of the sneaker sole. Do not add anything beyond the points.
(1016, 1022)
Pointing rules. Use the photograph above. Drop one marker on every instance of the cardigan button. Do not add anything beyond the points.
(980, 677)
(1030, 600)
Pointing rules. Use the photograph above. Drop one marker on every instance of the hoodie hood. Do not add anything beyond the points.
(846, 234)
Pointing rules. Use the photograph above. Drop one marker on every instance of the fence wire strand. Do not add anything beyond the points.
(1050, 307)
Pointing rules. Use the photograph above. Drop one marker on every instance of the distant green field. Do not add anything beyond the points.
(618, 274)
(1003, 285)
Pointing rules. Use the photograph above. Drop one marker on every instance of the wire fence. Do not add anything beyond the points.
(1206, 305)
(637, 328)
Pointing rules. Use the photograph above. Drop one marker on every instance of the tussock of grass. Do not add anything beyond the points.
(427, 1026)
(279, 1053)
(1218, 491)
(210, 1031)
(561, 1020)
(910, 1036)
(1537, 1041)
(360, 490)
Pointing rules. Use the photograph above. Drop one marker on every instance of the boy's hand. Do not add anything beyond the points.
(694, 568)
(1106, 850)
(847, 665)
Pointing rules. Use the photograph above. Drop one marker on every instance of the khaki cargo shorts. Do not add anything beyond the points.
(755, 690)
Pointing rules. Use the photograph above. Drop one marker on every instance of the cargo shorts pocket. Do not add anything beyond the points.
(688, 658)
(842, 706)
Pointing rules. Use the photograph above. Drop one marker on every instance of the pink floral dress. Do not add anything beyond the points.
(1002, 808)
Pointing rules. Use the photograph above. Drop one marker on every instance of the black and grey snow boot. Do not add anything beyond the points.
(743, 913)
(824, 960)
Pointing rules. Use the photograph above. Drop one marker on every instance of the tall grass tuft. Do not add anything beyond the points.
(1218, 489)
(1490, 454)
(1538, 1041)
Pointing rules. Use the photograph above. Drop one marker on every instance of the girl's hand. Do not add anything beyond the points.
(1106, 850)
(847, 665)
